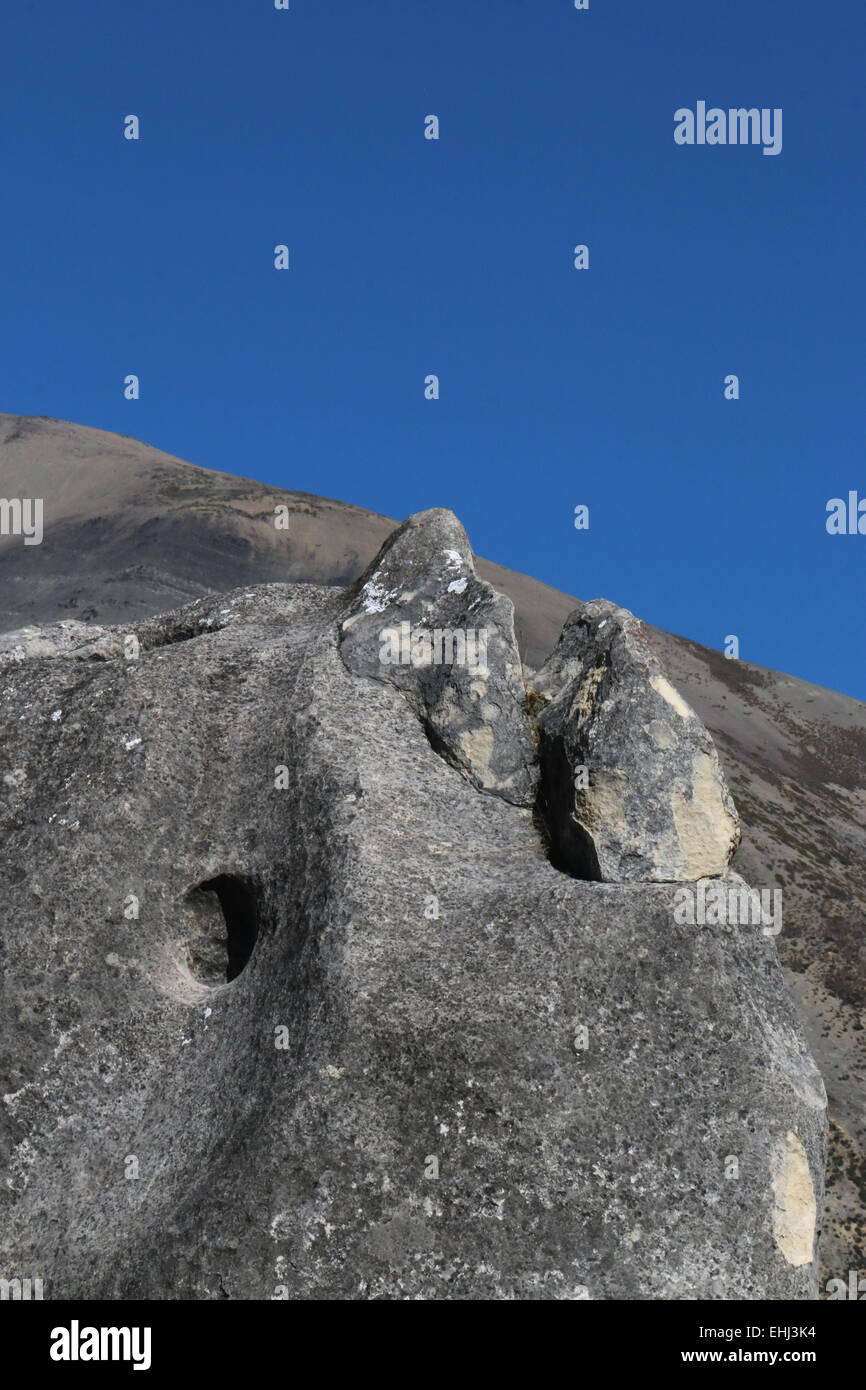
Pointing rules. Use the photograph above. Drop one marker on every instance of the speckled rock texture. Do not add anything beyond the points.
(632, 785)
(422, 619)
(66, 638)
(294, 1008)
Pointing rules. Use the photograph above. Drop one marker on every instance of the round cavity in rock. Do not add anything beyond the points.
(221, 928)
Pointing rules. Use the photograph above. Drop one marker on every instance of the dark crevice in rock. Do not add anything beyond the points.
(186, 631)
(569, 847)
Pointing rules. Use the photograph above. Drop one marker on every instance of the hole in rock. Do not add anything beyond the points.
(222, 928)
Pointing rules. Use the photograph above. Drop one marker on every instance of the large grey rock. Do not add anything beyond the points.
(631, 781)
(131, 531)
(422, 620)
(440, 1068)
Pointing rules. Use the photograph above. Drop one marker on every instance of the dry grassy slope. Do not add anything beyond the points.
(131, 531)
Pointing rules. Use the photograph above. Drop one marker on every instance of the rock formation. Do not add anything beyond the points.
(295, 1003)
(632, 783)
(423, 620)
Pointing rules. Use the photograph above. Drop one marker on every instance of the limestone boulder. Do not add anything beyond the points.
(632, 787)
(423, 621)
(292, 1005)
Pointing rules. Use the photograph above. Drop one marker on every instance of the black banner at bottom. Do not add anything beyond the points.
(226, 1336)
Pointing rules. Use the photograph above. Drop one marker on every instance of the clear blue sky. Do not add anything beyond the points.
(454, 257)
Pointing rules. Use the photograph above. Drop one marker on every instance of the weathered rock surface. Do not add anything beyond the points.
(131, 531)
(631, 781)
(422, 620)
(440, 1068)
(66, 638)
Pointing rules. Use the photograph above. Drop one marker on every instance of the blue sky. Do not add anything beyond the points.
(455, 257)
